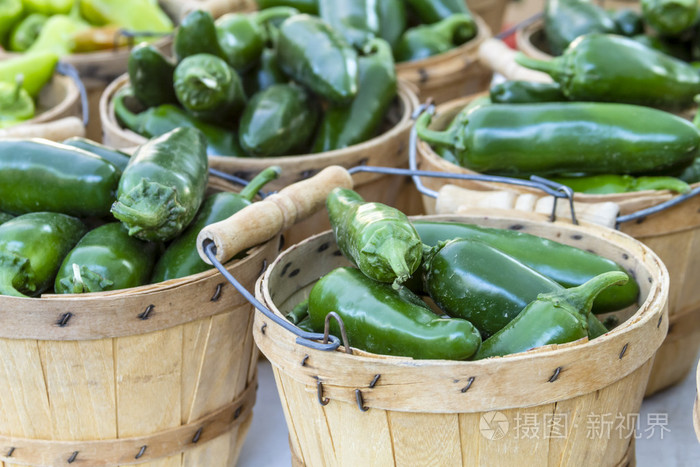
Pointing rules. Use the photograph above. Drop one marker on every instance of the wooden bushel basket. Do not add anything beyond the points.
(368, 409)
(158, 375)
(674, 234)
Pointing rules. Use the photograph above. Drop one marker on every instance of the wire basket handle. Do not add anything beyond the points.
(66, 69)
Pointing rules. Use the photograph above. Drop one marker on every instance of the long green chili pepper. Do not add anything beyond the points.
(526, 92)
(347, 125)
(432, 11)
(670, 17)
(181, 259)
(299, 313)
(151, 76)
(609, 68)
(4, 217)
(36, 70)
(132, 15)
(106, 258)
(375, 237)
(427, 40)
(26, 32)
(196, 35)
(163, 186)
(356, 20)
(567, 265)
(379, 319)
(571, 137)
(553, 318)
(32, 247)
(115, 156)
(565, 20)
(606, 184)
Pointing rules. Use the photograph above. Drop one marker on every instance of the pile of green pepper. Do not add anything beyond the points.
(103, 220)
(495, 292)
(271, 83)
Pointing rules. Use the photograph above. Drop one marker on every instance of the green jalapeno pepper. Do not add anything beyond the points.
(375, 237)
(72, 181)
(163, 186)
(379, 319)
(106, 258)
(432, 11)
(26, 32)
(265, 74)
(4, 217)
(571, 137)
(317, 57)
(356, 20)
(157, 121)
(242, 39)
(10, 14)
(16, 105)
(565, 20)
(605, 184)
(304, 6)
(553, 318)
(600, 67)
(181, 259)
(629, 22)
(36, 70)
(196, 35)
(278, 121)
(134, 15)
(151, 76)
(567, 265)
(32, 247)
(116, 157)
(392, 20)
(525, 92)
(347, 125)
(670, 17)
(427, 40)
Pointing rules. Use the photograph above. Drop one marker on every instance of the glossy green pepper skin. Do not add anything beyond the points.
(567, 265)
(265, 74)
(572, 137)
(347, 125)
(26, 32)
(565, 20)
(392, 20)
(357, 20)
(72, 181)
(606, 184)
(526, 92)
(32, 247)
(432, 11)
(381, 320)
(427, 40)
(196, 35)
(157, 121)
(553, 318)
(304, 6)
(242, 40)
(151, 76)
(317, 57)
(36, 69)
(375, 237)
(115, 156)
(670, 17)
(610, 68)
(163, 186)
(106, 258)
(4, 217)
(181, 259)
(278, 121)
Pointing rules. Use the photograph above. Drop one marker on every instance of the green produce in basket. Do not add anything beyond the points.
(4, 217)
(343, 126)
(567, 265)
(304, 6)
(299, 313)
(32, 247)
(36, 70)
(526, 92)
(392, 20)
(39, 175)
(606, 184)
(133, 15)
(670, 17)
(278, 121)
(157, 121)
(567, 137)
(629, 22)
(565, 20)
(163, 186)
(57, 36)
(385, 321)
(432, 11)
(196, 35)
(115, 156)
(265, 74)
(181, 259)
(427, 40)
(16, 105)
(48, 7)
(609, 68)
(10, 13)
(317, 57)
(106, 258)
(691, 174)
(375, 237)
(151, 76)
(356, 20)
(26, 32)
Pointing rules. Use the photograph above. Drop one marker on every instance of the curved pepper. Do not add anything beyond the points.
(553, 318)
(356, 20)
(36, 70)
(26, 32)
(379, 319)
(568, 137)
(347, 125)
(196, 35)
(565, 20)
(106, 258)
(116, 157)
(375, 237)
(163, 186)
(432, 39)
(609, 68)
(181, 259)
(670, 17)
(151, 76)
(524, 92)
(605, 184)
(32, 247)
(16, 105)
(134, 15)
(316, 56)
(432, 11)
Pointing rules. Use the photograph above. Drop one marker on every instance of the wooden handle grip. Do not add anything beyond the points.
(500, 58)
(56, 130)
(261, 221)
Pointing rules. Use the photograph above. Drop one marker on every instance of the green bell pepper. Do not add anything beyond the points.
(565, 20)
(670, 17)
(151, 76)
(115, 156)
(432, 11)
(525, 92)
(606, 184)
(26, 32)
(134, 15)
(196, 35)
(427, 40)
(36, 70)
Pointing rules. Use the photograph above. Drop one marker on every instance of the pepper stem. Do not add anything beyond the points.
(8, 273)
(443, 138)
(551, 67)
(582, 297)
(125, 116)
(259, 181)
(19, 82)
(392, 254)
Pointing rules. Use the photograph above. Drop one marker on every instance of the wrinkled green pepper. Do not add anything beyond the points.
(278, 121)
(670, 17)
(106, 258)
(10, 14)
(356, 20)
(317, 57)
(163, 186)
(427, 40)
(71, 181)
(32, 247)
(304, 6)
(26, 32)
(381, 320)
(609, 68)
(606, 184)
(432, 11)
(115, 156)
(567, 265)
(181, 259)
(196, 34)
(568, 137)
(265, 74)
(151, 76)
(36, 70)
(347, 125)
(526, 92)
(375, 237)
(16, 105)
(553, 318)
(134, 15)
(565, 20)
